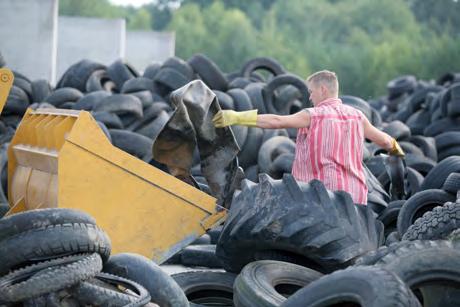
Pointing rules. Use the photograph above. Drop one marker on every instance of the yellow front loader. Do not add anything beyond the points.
(61, 158)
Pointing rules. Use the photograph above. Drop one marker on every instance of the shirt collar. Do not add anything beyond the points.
(329, 102)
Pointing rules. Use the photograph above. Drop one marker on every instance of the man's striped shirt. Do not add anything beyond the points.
(331, 149)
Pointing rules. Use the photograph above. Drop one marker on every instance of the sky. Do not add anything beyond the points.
(135, 3)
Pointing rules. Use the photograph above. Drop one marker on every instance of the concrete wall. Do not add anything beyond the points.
(28, 36)
(145, 47)
(99, 40)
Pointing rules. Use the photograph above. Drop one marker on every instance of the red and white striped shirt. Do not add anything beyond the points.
(331, 149)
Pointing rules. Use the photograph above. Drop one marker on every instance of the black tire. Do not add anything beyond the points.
(170, 78)
(268, 92)
(265, 63)
(398, 130)
(358, 103)
(248, 153)
(207, 288)
(448, 78)
(374, 257)
(204, 239)
(376, 165)
(89, 101)
(392, 237)
(270, 283)
(136, 85)
(241, 100)
(24, 85)
(421, 164)
(396, 171)
(418, 121)
(121, 104)
(151, 71)
(448, 152)
(436, 224)
(110, 120)
(200, 255)
(389, 216)
(214, 233)
(427, 145)
(442, 125)
(16, 103)
(181, 66)
(209, 72)
(99, 80)
(105, 130)
(271, 149)
(281, 165)
(447, 140)
(163, 290)
(78, 74)
(438, 174)
(38, 218)
(410, 148)
(378, 288)
(146, 97)
(255, 93)
(252, 173)
(133, 143)
(452, 183)
(240, 133)
(298, 218)
(96, 292)
(401, 85)
(239, 82)
(51, 242)
(375, 193)
(120, 72)
(421, 267)
(153, 129)
(418, 204)
(62, 95)
(414, 181)
(49, 276)
(225, 100)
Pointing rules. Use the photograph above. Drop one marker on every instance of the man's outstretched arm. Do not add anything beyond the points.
(381, 138)
(250, 118)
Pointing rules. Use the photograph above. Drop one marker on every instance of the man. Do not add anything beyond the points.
(329, 145)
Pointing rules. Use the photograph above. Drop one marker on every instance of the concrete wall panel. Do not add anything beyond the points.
(145, 47)
(28, 36)
(99, 40)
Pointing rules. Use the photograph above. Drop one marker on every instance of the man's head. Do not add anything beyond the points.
(322, 85)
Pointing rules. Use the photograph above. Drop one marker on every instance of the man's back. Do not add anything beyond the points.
(331, 149)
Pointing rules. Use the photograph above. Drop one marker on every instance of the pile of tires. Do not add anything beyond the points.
(60, 257)
(284, 242)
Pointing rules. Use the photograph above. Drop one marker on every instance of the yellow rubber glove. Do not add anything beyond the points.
(396, 150)
(226, 118)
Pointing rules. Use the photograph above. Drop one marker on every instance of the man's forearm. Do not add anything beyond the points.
(269, 121)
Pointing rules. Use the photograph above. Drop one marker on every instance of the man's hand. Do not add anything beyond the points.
(396, 150)
(226, 118)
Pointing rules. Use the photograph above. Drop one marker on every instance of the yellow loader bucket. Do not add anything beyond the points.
(61, 158)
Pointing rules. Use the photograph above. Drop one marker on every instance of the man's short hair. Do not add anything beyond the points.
(326, 78)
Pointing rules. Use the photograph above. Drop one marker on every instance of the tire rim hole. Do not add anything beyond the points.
(287, 290)
(424, 209)
(211, 297)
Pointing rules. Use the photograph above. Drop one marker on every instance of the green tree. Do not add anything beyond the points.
(227, 36)
(139, 20)
(440, 15)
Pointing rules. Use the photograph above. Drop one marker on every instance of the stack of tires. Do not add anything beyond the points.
(59, 257)
(285, 243)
